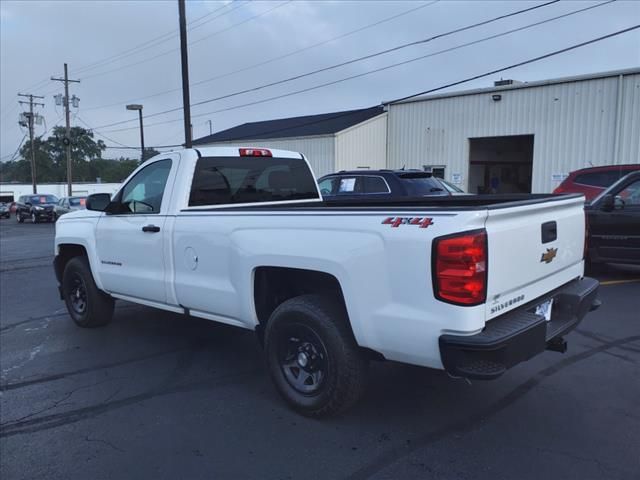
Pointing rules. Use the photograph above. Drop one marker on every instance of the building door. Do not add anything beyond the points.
(500, 164)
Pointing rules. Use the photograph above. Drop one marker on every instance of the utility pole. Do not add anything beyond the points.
(185, 74)
(31, 119)
(67, 139)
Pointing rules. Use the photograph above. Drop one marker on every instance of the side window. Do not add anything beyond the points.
(375, 185)
(631, 194)
(598, 179)
(143, 193)
(326, 185)
(350, 186)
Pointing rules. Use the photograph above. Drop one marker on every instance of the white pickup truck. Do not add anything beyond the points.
(469, 284)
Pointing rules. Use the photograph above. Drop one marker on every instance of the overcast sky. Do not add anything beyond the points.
(114, 49)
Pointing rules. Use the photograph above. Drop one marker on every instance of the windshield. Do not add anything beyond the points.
(77, 201)
(42, 199)
(419, 184)
(451, 187)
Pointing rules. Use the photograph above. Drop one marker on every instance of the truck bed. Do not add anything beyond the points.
(458, 202)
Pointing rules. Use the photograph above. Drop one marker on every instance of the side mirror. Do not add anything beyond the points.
(608, 203)
(98, 202)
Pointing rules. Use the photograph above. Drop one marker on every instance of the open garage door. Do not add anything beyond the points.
(500, 164)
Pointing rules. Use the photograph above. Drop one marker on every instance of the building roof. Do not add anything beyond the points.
(516, 86)
(308, 125)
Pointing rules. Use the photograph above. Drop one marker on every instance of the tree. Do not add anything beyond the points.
(51, 160)
(83, 149)
(148, 153)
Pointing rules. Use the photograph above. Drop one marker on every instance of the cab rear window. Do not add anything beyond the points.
(231, 180)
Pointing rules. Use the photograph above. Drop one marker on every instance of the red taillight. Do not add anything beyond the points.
(460, 268)
(255, 152)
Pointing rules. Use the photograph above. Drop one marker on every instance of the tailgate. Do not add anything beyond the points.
(533, 249)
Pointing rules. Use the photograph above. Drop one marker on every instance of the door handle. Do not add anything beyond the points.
(151, 228)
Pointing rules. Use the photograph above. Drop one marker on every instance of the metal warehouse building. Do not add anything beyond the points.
(519, 137)
(512, 137)
(331, 141)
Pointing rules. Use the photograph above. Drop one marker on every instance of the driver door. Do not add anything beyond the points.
(130, 243)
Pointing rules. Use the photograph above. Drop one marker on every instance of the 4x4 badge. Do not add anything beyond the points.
(395, 222)
(549, 255)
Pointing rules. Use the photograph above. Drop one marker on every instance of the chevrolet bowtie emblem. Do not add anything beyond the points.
(549, 255)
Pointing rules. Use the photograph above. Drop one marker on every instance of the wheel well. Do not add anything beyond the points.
(66, 252)
(274, 285)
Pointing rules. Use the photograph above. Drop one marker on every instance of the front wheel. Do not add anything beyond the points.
(34, 218)
(87, 305)
(19, 218)
(313, 357)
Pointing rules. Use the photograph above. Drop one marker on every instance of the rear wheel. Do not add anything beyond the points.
(19, 218)
(313, 357)
(34, 218)
(87, 305)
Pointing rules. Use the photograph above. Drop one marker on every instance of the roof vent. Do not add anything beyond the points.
(506, 82)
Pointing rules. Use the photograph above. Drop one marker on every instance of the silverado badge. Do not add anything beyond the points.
(549, 255)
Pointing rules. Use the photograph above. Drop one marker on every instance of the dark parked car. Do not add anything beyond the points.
(381, 184)
(5, 212)
(68, 204)
(36, 208)
(594, 180)
(613, 221)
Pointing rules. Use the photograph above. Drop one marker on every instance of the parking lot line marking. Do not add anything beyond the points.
(619, 282)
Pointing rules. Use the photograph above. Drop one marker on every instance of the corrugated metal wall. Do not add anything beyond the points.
(573, 123)
(319, 150)
(363, 145)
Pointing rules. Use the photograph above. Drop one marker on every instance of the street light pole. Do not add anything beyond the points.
(138, 107)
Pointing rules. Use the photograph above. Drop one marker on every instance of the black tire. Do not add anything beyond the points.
(87, 305)
(19, 218)
(34, 218)
(316, 328)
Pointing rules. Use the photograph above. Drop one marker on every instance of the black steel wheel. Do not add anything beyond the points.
(303, 358)
(77, 294)
(87, 305)
(313, 358)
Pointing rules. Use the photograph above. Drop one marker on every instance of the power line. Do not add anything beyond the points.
(101, 134)
(469, 79)
(342, 64)
(351, 77)
(153, 42)
(140, 47)
(519, 64)
(17, 150)
(166, 52)
(273, 59)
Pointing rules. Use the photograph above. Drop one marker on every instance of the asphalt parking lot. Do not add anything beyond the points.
(157, 395)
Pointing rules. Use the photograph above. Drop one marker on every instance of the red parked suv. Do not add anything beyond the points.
(593, 181)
